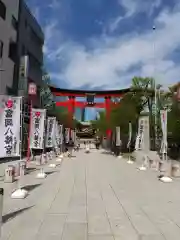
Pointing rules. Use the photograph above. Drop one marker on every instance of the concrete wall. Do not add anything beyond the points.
(7, 33)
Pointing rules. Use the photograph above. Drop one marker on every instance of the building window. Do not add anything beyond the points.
(12, 51)
(14, 23)
(2, 10)
(1, 49)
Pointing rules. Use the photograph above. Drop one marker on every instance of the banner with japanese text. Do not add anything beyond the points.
(61, 134)
(38, 117)
(75, 137)
(164, 131)
(57, 134)
(67, 132)
(130, 135)
(10, 126)
(51, 121)
(143, 138)
(118, 136)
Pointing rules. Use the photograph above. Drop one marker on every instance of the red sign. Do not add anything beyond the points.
(9, 104)
(38, 114)
(32, 89)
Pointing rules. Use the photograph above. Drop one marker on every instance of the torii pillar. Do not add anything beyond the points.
(71, 108)
(108, 114)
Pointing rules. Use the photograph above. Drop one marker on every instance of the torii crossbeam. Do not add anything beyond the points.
(71, 102)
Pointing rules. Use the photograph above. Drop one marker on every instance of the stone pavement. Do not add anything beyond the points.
(94, 197)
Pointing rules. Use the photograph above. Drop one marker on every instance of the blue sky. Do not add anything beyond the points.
(102, 44)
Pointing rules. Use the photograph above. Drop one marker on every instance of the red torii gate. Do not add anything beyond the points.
(71, 102)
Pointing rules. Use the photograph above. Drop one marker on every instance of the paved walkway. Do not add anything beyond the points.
(94, 197)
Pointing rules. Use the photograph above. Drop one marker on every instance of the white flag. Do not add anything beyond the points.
(57, 135)
(118, 136)
(75, 137)
(164, 123)
(38, 117)
(130, 135)
(164, 131)
(61, 134)
(50, 131)
(10, 126)
(143, 133)
(67, 131)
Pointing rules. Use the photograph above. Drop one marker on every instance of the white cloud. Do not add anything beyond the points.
(52, 40)
(133, 7)
(55, 4)
(37, 13)
(114, 61)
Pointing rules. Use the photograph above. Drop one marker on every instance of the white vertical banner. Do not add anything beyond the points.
(164, 131)
(10, 126)
(75, 137)
(137, 142)
(130, 135)
(38, 117)
(67, 131)
(143, 134)
(118, 136)
(56, 134)
(139, 137)
(50, 131)
(23, 75)
(61, 134)
(146, 133)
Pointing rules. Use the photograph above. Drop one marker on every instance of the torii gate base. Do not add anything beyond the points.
(71, 102)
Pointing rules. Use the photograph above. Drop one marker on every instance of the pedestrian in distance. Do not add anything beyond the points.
(70, 147)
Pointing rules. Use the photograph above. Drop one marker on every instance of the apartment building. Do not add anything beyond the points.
(20, 35)
(30, 43)
(9, 11)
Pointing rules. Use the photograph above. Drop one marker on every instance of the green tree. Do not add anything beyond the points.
(47, 102)
(100, 123)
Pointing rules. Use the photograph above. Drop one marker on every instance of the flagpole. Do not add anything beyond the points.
(155, 89)
(32, 90)
(29, 133)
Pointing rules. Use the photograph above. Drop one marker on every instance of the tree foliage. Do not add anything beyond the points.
(47, 102)
(101, 123)
(140, 99)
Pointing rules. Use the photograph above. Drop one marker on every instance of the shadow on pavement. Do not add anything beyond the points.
(49, 173)
(30, 170)
(107, 153)
(12, 215)
(30, 188)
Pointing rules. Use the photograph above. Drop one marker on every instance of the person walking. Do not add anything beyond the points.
(97, 142)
